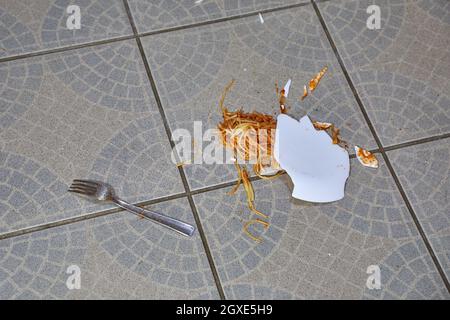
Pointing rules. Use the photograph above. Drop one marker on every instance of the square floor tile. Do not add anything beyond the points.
(27, 26)
(402, 70)
(119, 256)
(86, 113)
(192, 67)
(424, 171)
(315, 251)
(161, 14)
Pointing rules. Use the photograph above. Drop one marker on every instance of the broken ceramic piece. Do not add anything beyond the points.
(283, 96)
(286, 88)
(318, 168)
(261, 19)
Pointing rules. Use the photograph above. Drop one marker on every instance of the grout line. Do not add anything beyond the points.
(193, 192)
(417, 142)
(180, 169)
(382, 150)
(213, 188)
(223, 19)
(59, 223)
(188, 192)
(220, 186)
(130, 17)
(417, 223)
(322, 1)
(66, 48)
(87, 216)
(409, 143)
(101, 213)
(208, 252)
(137, 34)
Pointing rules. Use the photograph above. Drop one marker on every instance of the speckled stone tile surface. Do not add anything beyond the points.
(192, 68)
(161, 14)
(315, 251)
(87, 113)
(30, 25)
(120, 257)
(89, 103)
(402, 70)
(424, 172)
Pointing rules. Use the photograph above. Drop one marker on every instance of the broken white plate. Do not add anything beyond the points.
(318, 168)
(287, 87)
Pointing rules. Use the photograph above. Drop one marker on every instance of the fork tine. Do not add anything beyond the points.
(79, 192)
(86, 182)
(82, 185)
(85, 191)
(83, 188)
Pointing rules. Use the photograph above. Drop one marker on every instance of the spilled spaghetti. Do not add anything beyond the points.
(251, 136)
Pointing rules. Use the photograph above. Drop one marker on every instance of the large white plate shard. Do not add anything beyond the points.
(318, 168)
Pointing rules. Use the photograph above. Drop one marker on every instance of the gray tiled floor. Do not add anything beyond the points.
(119, 257)
(424, 171)
(162, 14)
(190, 64)
(319, 251)
(84, 113)
(93, 111)
(402, 72)
(28, 25)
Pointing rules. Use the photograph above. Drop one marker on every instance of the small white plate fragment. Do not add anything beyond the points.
(287, 87)
(261, 18)
(318, 168)
(366, 158)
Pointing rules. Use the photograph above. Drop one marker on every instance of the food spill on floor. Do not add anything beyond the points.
(332, 130)
(241, 131)
(322, 125)
(335, 135)
(313, 83)
(181, 164)
(252, 222)
(282, 96)
(244, 179)
(305, 93)
(366, 158)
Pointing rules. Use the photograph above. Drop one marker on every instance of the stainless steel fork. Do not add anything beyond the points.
(104, 192)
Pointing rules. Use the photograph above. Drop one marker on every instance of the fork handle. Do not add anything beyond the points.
(171, 223)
